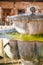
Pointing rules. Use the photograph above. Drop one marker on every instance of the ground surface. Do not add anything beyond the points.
(7, 61)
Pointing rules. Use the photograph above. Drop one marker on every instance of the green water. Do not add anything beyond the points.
(26, 37)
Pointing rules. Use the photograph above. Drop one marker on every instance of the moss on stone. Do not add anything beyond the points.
(26, 37)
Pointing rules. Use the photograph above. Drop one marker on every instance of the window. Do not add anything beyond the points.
(21, 11)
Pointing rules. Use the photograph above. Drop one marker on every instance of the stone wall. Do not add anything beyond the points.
(6, 5)
(24, 5)
(18, 6)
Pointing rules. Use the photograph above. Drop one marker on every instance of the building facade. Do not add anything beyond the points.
(13, 8)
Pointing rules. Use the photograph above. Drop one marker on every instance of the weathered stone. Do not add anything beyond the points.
(40, 49)
(32, 24)
(31, 51)
(26, 49)
(14, 48)
(35, 27)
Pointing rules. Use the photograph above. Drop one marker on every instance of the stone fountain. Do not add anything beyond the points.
(29, 23)
(31, 52)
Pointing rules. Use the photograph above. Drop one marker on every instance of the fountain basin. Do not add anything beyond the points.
(28, 23)
(31, 24)
(31, 51)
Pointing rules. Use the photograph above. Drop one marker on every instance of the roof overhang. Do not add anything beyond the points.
(24, 0)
